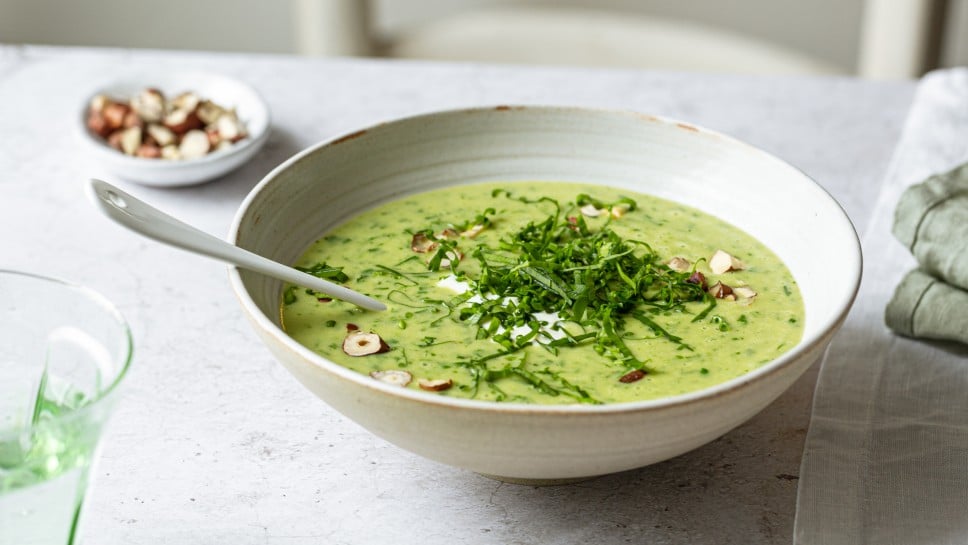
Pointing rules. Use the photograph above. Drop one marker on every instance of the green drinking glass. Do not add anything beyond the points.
(64, 351)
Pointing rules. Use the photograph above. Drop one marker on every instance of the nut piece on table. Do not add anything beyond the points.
(435, 385)
(393, 377)
(722, 262)
(358, 343)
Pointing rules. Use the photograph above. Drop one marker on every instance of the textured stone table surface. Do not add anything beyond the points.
(214, 443)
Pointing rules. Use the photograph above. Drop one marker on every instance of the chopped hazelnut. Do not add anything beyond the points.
(358, 343)
(149, 104)
(619, 210)
(394, 377)
(436, 385)
(632, 376)
(473, 231)
(448, 233)
(720, 291)
(722, 262)
(130, 140)
(194, 144)
(422, 244)
(697, 278)
(679, 264)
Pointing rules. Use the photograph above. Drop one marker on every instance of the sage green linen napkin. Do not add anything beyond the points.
(931, 220)
(928, 308)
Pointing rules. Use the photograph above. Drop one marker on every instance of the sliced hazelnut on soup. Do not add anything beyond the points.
(679, 264)
(435, 385)
(722, 262)
(697, 278)
(358, 343)
(422, 244)
(744, 292)
(473, 231)
(619, 210)
(393, 377)
(632, 376)
(590, 211)
(451, 256)
(720, 291)
(448, 233)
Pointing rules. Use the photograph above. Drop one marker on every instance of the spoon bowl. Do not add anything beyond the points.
(146, 220)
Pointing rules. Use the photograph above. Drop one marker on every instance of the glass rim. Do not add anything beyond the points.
(105, 304)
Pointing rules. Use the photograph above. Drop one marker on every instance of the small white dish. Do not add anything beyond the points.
(231, 93)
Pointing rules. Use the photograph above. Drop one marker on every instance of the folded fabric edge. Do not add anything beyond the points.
(918, 200)
(900, 311)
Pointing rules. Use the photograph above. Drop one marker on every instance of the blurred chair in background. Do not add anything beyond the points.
(869, 38)
(895, 38)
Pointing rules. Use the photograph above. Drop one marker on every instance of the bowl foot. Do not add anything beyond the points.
(537, 482)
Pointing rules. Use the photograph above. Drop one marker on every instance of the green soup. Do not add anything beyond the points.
(594, 308)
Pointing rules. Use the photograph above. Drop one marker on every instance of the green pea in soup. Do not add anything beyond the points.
(545, 292)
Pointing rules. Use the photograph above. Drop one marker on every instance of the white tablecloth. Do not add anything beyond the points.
(886, 457)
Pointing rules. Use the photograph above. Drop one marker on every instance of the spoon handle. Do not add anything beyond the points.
(155, 224)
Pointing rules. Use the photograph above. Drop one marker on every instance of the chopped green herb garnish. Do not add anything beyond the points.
(592, 279)
(324, 271)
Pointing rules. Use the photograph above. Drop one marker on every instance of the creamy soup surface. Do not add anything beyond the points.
(443, 331)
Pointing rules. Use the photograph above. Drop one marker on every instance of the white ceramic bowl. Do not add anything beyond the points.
(251, 108)
(328, 184)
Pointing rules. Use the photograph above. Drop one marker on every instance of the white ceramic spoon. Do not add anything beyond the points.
(155, 224)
